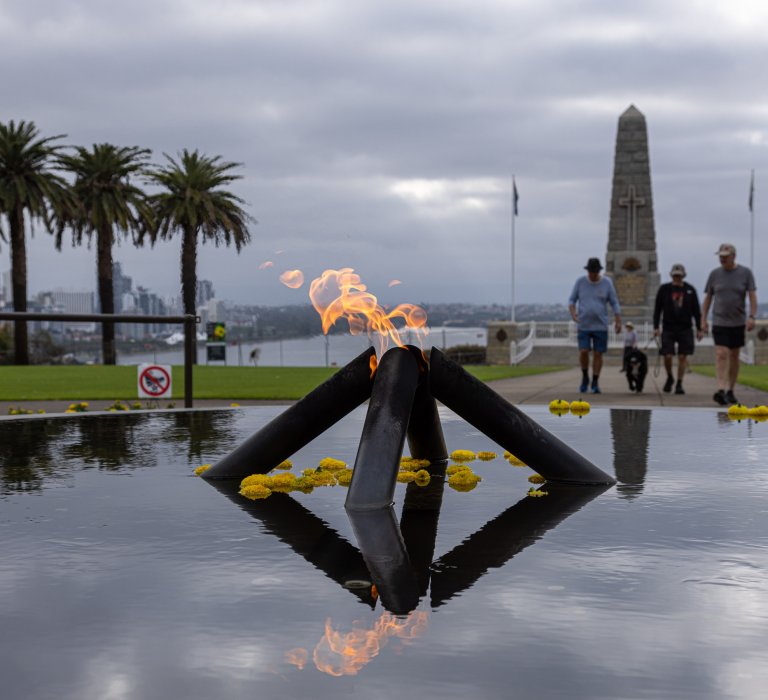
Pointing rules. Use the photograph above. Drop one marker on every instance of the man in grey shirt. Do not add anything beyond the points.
(728, 285)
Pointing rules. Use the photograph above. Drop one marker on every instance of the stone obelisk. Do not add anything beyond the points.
(631, 256)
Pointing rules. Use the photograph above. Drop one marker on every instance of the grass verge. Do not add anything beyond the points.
(755, 376)
(83, 383)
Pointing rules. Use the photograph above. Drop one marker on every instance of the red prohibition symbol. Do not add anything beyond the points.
(155, 381)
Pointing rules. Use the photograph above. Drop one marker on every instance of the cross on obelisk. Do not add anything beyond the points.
(631, 256)
(631, 201)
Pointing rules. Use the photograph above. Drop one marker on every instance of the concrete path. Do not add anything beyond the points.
(543, 388)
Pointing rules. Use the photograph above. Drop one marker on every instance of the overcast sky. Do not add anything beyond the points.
(382, 135)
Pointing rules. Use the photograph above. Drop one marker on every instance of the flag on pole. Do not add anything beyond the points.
(751, 190)
(515, 196)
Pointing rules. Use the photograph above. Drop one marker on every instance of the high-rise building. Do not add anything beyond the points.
(121, 285)
(205, 292)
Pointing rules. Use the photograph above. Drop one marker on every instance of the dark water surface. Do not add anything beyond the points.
(123, 576)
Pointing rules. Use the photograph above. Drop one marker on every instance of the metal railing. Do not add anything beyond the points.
(565, 333)
(188, 321)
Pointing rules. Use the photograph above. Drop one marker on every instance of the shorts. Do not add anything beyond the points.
(729, 336)
(682, 338)
(593, 340)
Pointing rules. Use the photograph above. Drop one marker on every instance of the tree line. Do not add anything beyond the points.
(98, 193)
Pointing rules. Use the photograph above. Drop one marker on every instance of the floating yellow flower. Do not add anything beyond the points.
(486, 456)
(758, 411)
(285, 464)
(738, 412)
(323, 479)
(463, 455)
(344, 477)
(304, 484)
(536, 479)
(202, 469)
(422, 477)
(580, 408)
(412, 462)
(282, 482)
(463, 477)
(515, 461)
(455, 468)
(332, 464)
(234, 405)
(537, 493)
(256, 480)
(559, 407)
(406, 477)
(309, 472)
(255, 491)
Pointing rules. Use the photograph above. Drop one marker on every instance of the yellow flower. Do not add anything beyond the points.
(41, 410)
(486, 456)
(738, 411)
(537, 493)
(234, 405)
(463, 477)
(413, 462)
(202, 469)
(462, 455)
(285, 464)
(332, 464)
(283, 482)
(406, 477)
(422, 477)
(255, 491)
(323, 479)
(559, 407)
(256, 480)
(70, 410)
(456, 468)
(309, 472)
(344, 477)
(536, 479)
(580, 408)
(515, 461)
(304, 484)
(757, 411)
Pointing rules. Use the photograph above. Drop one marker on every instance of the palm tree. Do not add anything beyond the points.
(191, 202)
(28, 188)
(108, 204)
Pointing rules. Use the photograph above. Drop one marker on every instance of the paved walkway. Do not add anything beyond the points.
(536, 389)
(543, 388)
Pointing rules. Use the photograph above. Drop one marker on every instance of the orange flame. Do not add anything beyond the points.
(341, 294)
(292, 278)
(345, 654)
(298, 657)
(374, 363)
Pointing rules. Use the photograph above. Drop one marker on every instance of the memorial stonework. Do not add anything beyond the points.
(631, 256)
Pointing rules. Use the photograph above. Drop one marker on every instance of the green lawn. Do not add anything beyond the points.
(82, 383)
(752, 375)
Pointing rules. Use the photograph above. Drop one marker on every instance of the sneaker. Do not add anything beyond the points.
(679, 388)
(596, 388)
(730, 397)
(584, 386)
(719, 397)
(668, 384)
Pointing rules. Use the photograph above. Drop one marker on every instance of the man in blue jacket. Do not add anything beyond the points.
(588, 304)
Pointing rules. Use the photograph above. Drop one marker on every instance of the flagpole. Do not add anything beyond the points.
(752, 222)
(512, 225)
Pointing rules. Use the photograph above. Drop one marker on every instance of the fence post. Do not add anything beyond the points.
(190, 346)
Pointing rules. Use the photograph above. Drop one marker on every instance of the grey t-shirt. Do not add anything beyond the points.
(729, 290)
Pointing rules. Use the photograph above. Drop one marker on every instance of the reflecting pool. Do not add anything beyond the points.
(125, 576)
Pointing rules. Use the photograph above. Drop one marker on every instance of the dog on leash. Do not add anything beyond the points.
(636, 367)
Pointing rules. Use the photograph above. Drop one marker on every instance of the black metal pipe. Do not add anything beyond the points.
(425, 433)
(383, 550)
(299, 424)
(381, 444)
(509, 427)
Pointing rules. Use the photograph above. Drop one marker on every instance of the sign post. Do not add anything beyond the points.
(154, 382)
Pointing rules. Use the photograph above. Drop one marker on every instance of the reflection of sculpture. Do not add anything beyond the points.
(630, 429)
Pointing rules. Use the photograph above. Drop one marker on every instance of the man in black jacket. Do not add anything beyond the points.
(678, 304)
